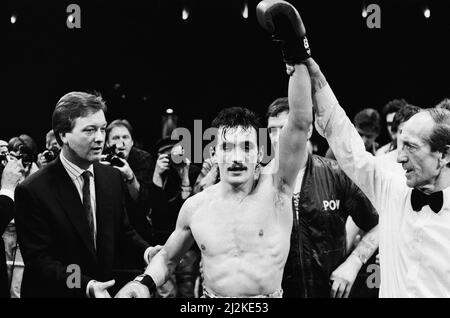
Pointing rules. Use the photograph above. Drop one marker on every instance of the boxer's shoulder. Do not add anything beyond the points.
(195, 202)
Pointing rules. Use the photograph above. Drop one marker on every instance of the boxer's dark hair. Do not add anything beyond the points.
(72, 106)
(368, 120)
(237, 116)
(119, 123)
(445, 103)
(277, 107)
(439, 139)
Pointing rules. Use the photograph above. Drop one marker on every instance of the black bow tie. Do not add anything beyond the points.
(420, 199)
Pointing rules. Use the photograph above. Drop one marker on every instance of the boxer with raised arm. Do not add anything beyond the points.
(243, 223)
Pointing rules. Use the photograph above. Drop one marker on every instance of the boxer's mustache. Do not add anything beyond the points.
(237, 167)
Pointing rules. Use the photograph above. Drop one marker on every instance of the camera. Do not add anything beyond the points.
(3, 160)
(51, 154)
(25, 154)
(112, 157)
(177, 152)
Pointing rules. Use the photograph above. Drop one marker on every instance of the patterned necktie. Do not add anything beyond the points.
(420, 199)
(87, 203)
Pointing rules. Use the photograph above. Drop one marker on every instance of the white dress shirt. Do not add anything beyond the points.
(414, 246)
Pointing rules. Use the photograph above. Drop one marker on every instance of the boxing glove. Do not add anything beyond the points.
(283, 21)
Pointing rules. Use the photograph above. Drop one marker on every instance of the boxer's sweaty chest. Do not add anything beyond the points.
(235, 228)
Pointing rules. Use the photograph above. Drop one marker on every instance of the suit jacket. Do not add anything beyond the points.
(6, 215)
(53, 232)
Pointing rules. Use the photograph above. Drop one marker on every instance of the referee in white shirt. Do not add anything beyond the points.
(414, 217)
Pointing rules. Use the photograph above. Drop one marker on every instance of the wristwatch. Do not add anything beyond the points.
(147, 280)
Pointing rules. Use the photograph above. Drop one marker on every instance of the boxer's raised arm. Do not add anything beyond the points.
(282, 20)
(294, 135)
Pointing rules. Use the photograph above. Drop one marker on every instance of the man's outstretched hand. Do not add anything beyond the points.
(133, 289)
(100, 289)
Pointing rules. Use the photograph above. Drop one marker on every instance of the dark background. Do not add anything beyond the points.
(214, 59)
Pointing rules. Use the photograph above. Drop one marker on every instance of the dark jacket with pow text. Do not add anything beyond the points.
(318, 240)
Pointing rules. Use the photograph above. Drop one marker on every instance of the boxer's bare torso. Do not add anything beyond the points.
(244, 239)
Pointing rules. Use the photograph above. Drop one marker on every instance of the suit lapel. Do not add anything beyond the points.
(70, 201)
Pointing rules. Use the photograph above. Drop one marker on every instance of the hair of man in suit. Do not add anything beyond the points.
(72, 106)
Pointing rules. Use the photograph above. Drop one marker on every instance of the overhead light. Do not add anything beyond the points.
(13, 19)
(169, 111)
(364, 12)
(185, 14)
(245, 11)
(427, 13)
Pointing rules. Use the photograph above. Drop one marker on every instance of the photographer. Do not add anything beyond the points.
(173, 180)
(23, 147)
(136, 167)
(52, 150)
(12, 173)
(22, 152)
(3, 148)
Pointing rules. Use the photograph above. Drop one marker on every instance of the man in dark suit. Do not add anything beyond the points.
(11, 175)
(70, 215)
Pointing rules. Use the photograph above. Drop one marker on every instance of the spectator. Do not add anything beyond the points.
(318, 264)
(173, 180)
(11, 175)
(24, 148)
(445, 103)
(388, 114)
(137, 172)
(367, 123)
(52, 149)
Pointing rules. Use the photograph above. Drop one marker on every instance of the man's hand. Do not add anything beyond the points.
(162, 164)
(152, 251)
(211, 177)
(42, 161)
(126, 171)
(13, 174)
(133, 289)
(99, 289)
(344, 276)
(318, 80)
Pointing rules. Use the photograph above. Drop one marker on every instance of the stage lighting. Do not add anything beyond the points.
(185, 14)
(364, 13)
(245, 11)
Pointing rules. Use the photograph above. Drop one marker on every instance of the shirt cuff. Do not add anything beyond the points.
(8, 193)
(146, 255)
(88, 286)
(326, 102)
